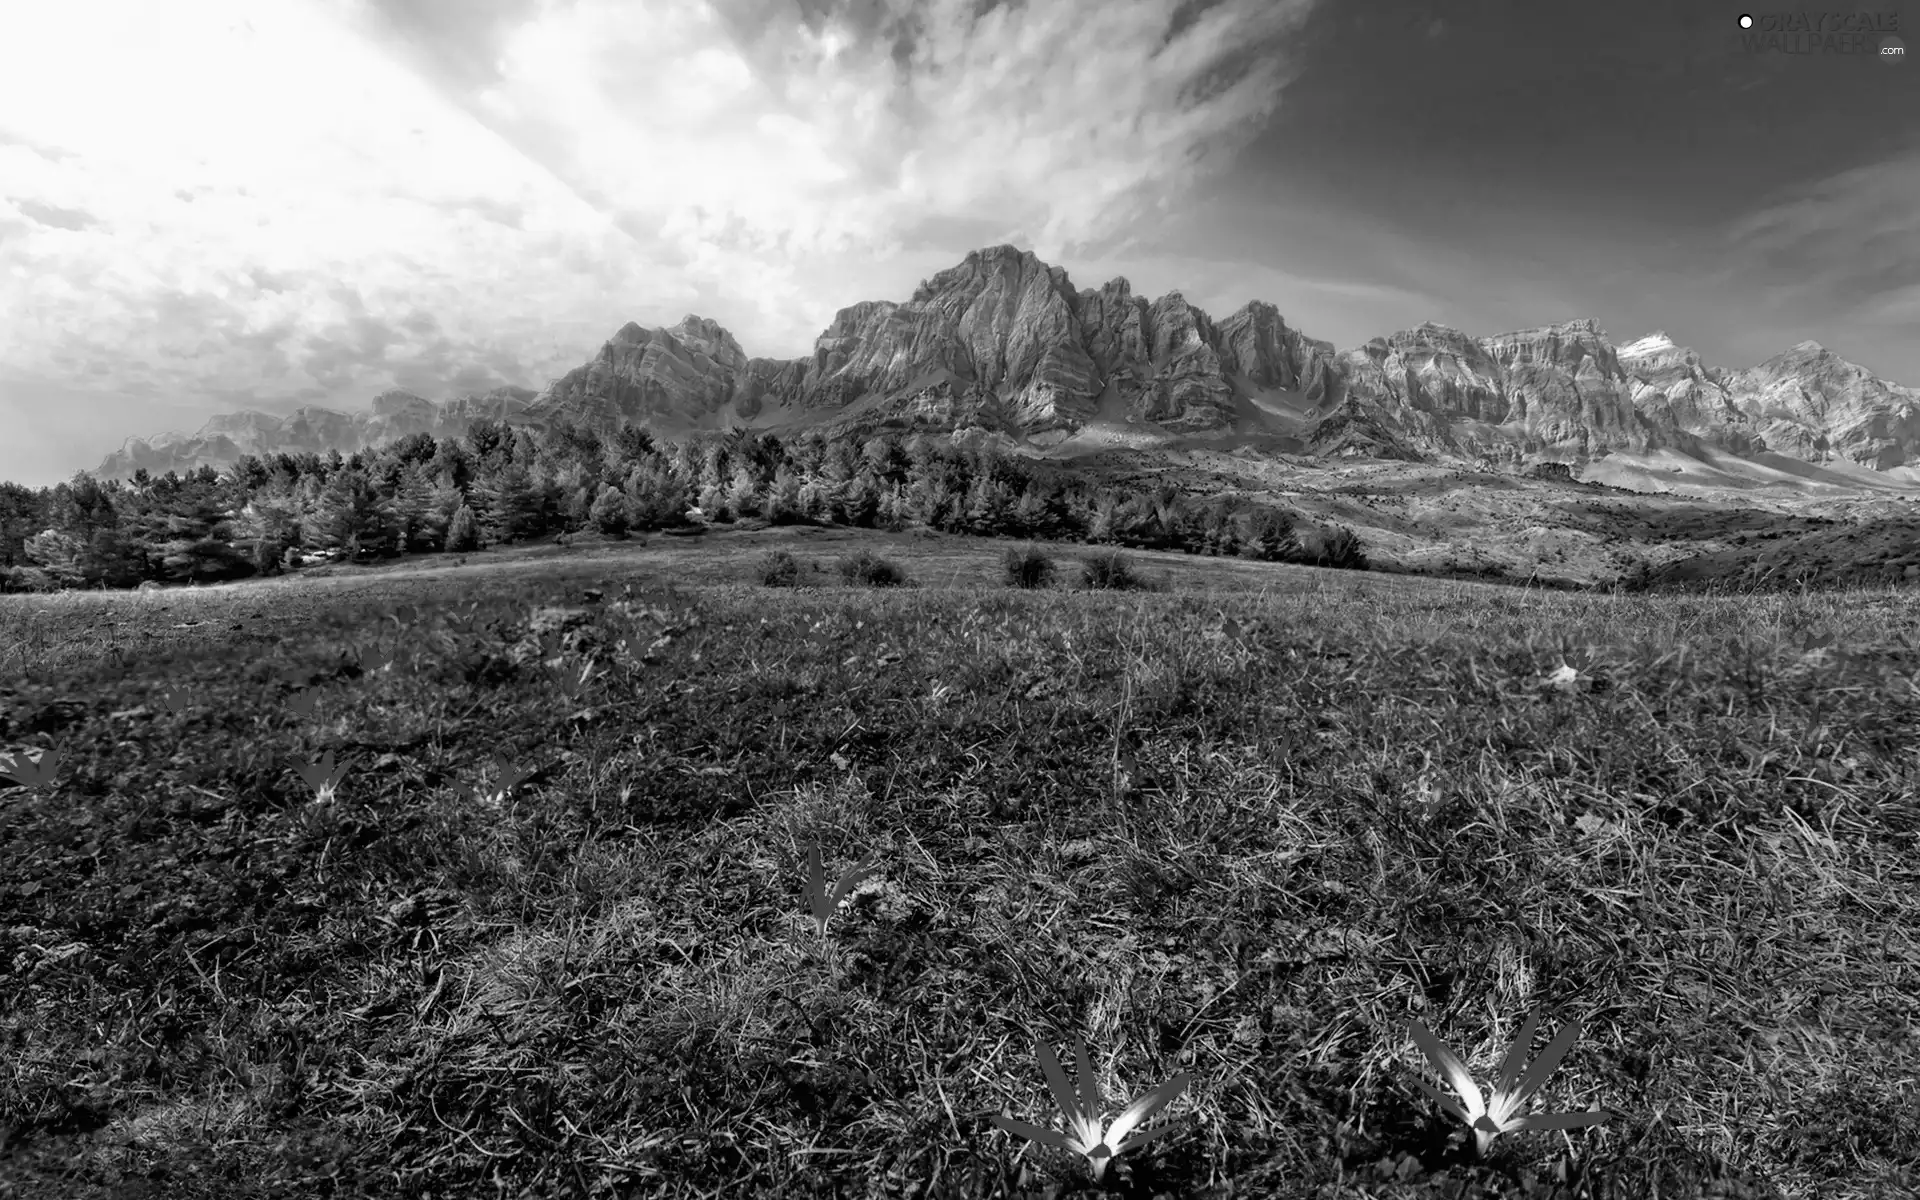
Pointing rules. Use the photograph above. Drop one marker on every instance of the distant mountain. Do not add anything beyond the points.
(224, 439)
(1004, 342)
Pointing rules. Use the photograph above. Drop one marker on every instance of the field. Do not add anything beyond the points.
(1245, 825)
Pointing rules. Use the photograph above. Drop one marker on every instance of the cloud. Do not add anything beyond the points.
(1847, 243)
(758, 141)
(53, 216)
(532, 174)
(188, 246)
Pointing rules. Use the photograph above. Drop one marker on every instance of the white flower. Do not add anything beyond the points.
(1490, 1119)
(1083, 1134)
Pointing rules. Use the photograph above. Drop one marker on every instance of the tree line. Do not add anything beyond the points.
(499, 485)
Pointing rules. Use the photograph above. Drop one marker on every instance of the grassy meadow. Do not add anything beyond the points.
(489, 879)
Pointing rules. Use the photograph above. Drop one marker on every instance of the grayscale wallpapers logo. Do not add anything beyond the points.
(1864, 34)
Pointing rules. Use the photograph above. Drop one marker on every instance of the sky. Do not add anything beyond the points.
(216, 205)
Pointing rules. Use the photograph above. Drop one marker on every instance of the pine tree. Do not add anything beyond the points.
(412, 508)
(743, 494)
(1105, 526)
(111, 560)
(60, 555)
(463, 531)
(716, 466)
(1169, 517)
(21, 515)
(863, 502)
(782, 503)
(659, 497)
(895, 510)
(929, 499)
(580, 509)
(684, 461)
(351, 515)
(442, 502)
(1029, 517)
(515, 508)
(886, 459)
(198, 545)
(632, 444)
(524, 451)
(266, 529)
(990, 506)
(839, 463)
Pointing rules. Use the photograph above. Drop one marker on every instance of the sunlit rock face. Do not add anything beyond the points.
(1814, 405)
(1681, 396)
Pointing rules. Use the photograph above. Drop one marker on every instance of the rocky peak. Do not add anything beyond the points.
(1813, 404)
(708, 337)
(1002, 341)
(394, 401)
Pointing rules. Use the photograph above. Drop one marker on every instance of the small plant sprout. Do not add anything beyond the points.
(507, 778)
(571, 683)
(304, 702)
(174, 702)
(323, 777)
(375, 664)
(1501, 1115)
(23, 770)
(1083, 1134)
(824, 902)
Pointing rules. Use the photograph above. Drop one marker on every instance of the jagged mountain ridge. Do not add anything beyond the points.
(1003, 341)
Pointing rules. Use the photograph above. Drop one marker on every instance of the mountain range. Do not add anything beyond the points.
(1004, 342)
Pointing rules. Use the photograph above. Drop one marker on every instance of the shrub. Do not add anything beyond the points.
(26, 579)
(1028, 568)
(870, 569)
(1110, 571)
(1342, 550)
(778, 568)
(612, 513)
(1274, 539)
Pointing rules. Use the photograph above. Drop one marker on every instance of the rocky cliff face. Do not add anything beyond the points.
(1814, 405)
(1682, 397)
(1003, 342)
(1558, 391)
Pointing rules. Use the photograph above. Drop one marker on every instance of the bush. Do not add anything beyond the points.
(611, 513)
(870, 569)
(1110, 571)
(1342, 551)
(778, 568)
(1274, 539)
(1028, 568)
(26, 579)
